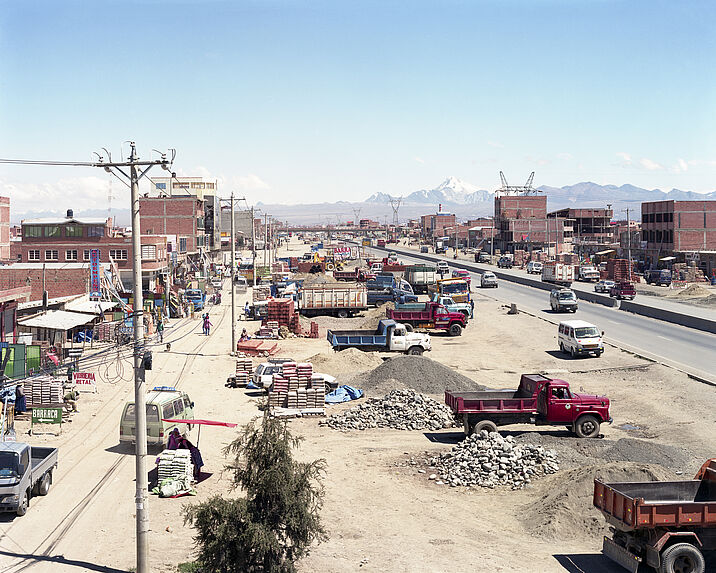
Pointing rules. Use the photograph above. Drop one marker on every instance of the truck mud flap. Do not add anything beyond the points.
(620, 555)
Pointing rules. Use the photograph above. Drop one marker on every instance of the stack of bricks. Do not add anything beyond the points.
(280, 310)
(244, 365)
(297, 387)
(314, 330)
(618, 269)
(261, 292)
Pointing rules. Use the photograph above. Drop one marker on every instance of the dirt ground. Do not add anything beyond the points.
(381, 513)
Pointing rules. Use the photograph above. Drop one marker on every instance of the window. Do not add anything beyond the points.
(32, 231)
(149, 252)
(182, 244)
(19, 257)
(95, 231)
(71, 255)
(86, 255)
(658, 217)
(118, 254)
(160, 185)
(73, 231)
(52, 231)
(33, 255)
(178, 407)
(52, 255)
(167, 411)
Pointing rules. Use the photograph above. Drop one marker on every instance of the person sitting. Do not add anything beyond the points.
(244, 336)
(71, 398)
(173, 441)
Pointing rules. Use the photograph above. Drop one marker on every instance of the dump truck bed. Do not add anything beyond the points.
(647, 505)
(507, 401)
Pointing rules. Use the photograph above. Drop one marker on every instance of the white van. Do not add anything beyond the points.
(578, 337)
(534, 268)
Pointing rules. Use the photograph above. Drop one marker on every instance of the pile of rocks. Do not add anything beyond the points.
(400, 409)
(490, 460)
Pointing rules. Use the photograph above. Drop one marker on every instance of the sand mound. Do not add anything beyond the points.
(692, 291)
(346, 363)
(564, 510)
(373, 316)
(415, 372)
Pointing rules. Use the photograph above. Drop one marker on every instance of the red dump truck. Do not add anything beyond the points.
(538, 400)
(354, 276)
(429, 316)
(670, 525)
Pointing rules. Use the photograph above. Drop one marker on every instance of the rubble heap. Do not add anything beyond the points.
(400, 410)
(490, 460)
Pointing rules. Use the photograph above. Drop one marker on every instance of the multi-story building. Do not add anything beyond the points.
(685, 230)
(4, 228)
(523, 223)
(60, 241)
(592, 230)
(434, 225)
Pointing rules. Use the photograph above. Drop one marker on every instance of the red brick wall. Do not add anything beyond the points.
(58, 282)
(521, 206)
(180, 216)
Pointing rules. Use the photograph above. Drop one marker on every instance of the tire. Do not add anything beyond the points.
(573, 352)
(587, 427)
(488, 425)
(415, 351)
(455, 330)
(44, 486)
(24, 504)
(343, 313)
(682, 558)
(409, 328)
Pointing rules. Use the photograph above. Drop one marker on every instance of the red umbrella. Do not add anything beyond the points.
(200, 423)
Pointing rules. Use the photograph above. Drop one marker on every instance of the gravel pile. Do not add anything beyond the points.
(489, 460)
(400, 410)
(417, 373)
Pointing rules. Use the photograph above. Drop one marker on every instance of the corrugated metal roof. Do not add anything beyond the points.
(64, 221)
(89, 306)
(57, 320)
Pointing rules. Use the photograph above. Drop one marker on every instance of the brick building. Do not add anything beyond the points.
(682, 229)
(180, 216)
(434, 225)
(523, 223)
(4, 228)
(9, 299)
(59, 279)
(69, 240)
(592, 229)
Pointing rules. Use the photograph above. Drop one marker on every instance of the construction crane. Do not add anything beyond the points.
(525, 189)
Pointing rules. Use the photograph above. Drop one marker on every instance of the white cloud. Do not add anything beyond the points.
(650, 165)
(419, 159)
(250, 182)
(495, 144)
(625, 159)
(565, 156)
(628, 161)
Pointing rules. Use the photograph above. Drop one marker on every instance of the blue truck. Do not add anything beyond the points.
(195, 297)
(389, 336)
(386, 288)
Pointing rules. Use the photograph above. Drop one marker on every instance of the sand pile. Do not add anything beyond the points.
(415, 372)
(564, 510)
(346, 363)
(372, 316)
(692, 291)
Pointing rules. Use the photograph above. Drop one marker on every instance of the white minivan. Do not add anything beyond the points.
(578, 337)
(534, 268)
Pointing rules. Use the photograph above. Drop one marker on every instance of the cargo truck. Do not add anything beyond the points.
(457, 289)
(356, 275)
(420, 277)
(557, 273)
(538, 400)
(431, 316)
(669, 525)
(25, 471)
(389, 336)
(341, 300)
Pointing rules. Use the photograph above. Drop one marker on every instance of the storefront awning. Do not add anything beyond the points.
(90, 306)
(57, 320)
(605, 252)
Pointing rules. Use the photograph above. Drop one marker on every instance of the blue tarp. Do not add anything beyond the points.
(343, 394)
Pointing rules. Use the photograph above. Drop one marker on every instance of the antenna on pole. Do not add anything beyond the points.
(395, 203)
(525, 189)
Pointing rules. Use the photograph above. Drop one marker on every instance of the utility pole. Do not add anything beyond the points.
(253, 243)
(233, 279)
(628, 242)
(265, 236)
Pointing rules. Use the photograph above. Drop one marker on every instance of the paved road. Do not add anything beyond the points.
(691, 350)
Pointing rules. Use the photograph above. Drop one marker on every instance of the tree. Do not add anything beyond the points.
(274, 525)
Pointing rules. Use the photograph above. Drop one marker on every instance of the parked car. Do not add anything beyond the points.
(443, 267)
(488, 280)
(534, 268)
(563, 299)
(216, 283)
(423, 249)
(578, 337)
(603, 286)
(483, 257)
(623, 290)
(658, 277)
(504, 263)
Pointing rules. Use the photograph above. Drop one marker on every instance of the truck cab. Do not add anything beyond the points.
(584, 413)
(623, 290)
(195, 297)
(25, 471)
(588, 273)
(452, 306)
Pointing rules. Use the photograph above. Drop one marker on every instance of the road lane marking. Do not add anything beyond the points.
(665, 338)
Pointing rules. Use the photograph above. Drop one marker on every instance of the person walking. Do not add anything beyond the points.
(160, 331)
(20, 400)
(207, 324)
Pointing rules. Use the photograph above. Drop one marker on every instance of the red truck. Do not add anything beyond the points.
(538, 400)
(623, 290)
(429, 315)
(667, 524)
(381, 242)
(355, 276)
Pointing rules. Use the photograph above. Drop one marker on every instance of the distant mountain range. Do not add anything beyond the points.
(455, 196)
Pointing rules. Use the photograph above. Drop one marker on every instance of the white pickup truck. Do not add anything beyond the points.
(25, 471)
(588, 274)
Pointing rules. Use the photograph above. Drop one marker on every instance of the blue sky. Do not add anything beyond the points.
(319, 101)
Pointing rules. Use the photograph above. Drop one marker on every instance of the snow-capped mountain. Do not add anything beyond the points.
(450, 191)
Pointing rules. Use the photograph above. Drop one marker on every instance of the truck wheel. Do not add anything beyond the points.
(342, 313)
(408, 328)
(682, 558)
(455, 330)
(485, 425)
(44, 486)
(22, 508)
(587, 427)
(415, 351)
